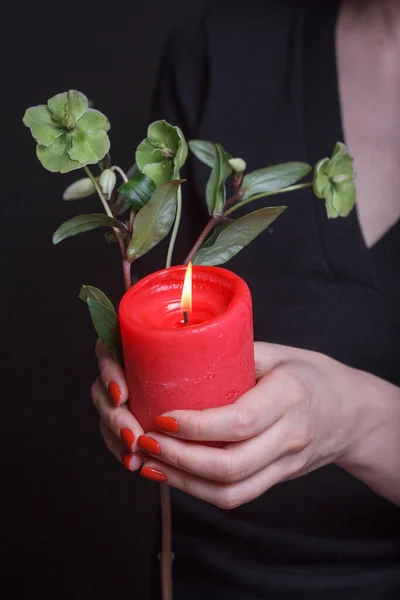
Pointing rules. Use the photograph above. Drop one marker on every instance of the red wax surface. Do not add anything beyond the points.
(170, 365)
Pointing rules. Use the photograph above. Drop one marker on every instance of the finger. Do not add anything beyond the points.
(227, 496)
(235, 462)
(131, 461)
(255, 411)
(119, 420)
(112, 375)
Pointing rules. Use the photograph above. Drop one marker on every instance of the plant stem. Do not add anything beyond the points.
(290, 188)
(166, 544)
(176, 227)
(99, 192)
(202, 237)
(121, 172)
(110, 214)
(126, 266)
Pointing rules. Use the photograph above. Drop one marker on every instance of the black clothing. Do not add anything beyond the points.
(260, 77)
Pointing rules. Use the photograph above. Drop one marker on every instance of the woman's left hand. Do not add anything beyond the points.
(305, 411)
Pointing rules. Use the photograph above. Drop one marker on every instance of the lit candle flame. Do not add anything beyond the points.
(186, 300)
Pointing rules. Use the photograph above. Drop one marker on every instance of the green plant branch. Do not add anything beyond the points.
(291, 188)
(176, 227)
(121, 172)
(108, 211)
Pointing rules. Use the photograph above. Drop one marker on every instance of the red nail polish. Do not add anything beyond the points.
(152, 474)
(148, 444)
(126, 459)
(167, 424)
(115, 392)
(127, 437)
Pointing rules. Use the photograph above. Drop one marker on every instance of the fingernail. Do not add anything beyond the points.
(148, 444)
(152, 474)
(126, 459)
(167, 424)
(127, 437)
(115, 392)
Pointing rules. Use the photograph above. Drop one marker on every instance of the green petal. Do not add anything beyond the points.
(89, 148)
(163, 135)
(93, 121)
(159, 172)
(147, 153)
(43, 128)
(55, 157)
(321, 179)
(329, 203)
(68, 107)
(182, 152)
(344, 197)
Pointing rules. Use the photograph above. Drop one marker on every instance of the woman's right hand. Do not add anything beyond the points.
(118, 426)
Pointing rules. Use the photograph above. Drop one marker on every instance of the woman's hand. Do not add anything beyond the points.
(118, 426)
(306, 410)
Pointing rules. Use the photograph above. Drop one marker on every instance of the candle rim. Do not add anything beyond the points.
(239, 287)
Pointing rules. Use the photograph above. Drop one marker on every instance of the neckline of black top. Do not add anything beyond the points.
(348, 257)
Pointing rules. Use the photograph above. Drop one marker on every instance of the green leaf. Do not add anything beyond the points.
(271, 179)
(105, 322)
(210, 241)
(204, 151)
(154, 221)
(79, 189)
(215, 191)
(83, 223)
(89, 291)
(138, 191)
(121, 205)
(238, 235)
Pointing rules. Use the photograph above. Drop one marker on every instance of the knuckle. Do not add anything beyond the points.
(94, 391)
(295, 466)
(297, 389)
(227, 499)
(110, 419)
(244, 423)
(300, 438)
(232, 469)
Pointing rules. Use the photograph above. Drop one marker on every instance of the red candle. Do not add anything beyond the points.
(186, 356)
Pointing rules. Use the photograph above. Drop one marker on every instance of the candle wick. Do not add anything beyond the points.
(185, 318)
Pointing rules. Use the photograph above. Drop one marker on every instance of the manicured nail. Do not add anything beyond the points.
(127, 437)
(167, 424)
(126, 459)
(148, 444)
(152, 474)
(115, 392)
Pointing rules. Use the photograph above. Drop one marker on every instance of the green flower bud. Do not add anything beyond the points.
(107, 182)
(333, 181)
(237, 164)
(80, 189)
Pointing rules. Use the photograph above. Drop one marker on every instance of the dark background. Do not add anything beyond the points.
(74, 523)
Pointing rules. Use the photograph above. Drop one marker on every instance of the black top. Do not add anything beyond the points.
(260, 77)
